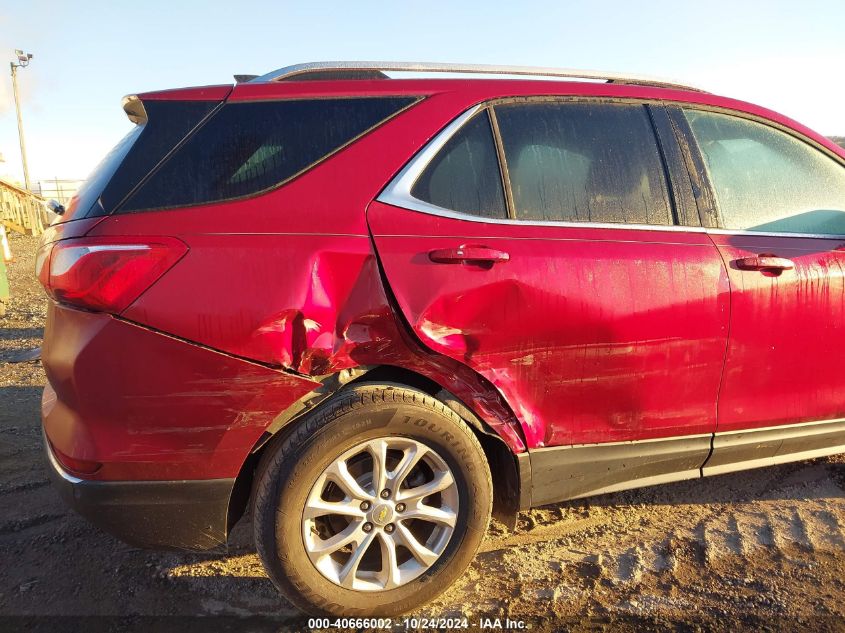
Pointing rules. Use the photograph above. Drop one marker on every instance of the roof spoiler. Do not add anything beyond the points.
(133, 105)
(134, 109)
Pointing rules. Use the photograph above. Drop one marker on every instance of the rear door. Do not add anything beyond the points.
(779, 224)
(570, 288)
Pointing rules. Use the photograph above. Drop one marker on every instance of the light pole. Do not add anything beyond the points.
(23, 62)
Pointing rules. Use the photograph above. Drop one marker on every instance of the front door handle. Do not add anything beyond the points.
(468, 255)
(765, 262)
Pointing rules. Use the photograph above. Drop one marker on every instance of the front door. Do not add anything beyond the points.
(781, 212)
(570, 289)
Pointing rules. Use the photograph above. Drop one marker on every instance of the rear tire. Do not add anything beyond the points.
(442, 499)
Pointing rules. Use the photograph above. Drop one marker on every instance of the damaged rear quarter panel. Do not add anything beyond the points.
(327, 312)
(290, 279)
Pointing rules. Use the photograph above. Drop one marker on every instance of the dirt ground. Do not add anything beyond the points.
(762, 550)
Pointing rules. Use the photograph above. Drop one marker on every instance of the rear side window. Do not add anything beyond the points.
(131, 159)
(768, 180)
(584, 162)
(168, 123)
(86, 202)
(465, 176)
(246, 148)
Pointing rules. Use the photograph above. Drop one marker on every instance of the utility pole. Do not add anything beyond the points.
(23, 62)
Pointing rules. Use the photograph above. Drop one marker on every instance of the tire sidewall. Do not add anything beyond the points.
(439, 431)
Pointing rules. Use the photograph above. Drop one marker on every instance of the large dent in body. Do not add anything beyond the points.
(334, 320)
(344, 321)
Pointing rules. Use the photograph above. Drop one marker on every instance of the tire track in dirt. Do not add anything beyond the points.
(728, 558)
(9, 527)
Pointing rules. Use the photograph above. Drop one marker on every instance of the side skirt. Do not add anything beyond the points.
(741, 450)
(570, 472)
(561, 473)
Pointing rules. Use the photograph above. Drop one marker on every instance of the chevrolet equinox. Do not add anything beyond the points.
(376, 310)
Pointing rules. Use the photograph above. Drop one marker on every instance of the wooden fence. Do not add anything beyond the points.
(22, 210)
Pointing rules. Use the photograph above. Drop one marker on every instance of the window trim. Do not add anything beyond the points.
(686, 137)
(705, 196)
(398, 190)
(510, 209)
(407, 178)
(397, 193)
(684, 203)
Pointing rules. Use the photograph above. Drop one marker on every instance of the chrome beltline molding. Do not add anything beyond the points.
(822, 236)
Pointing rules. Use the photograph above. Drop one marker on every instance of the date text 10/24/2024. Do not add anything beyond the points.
(413, 624)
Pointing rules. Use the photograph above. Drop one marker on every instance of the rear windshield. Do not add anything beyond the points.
(247, 148)
(116, 175)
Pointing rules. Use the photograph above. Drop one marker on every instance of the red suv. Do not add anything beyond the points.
(379, 309)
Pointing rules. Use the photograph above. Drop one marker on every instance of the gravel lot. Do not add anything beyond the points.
(758, 550)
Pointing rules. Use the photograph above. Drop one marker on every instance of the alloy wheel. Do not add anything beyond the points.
(381, 514)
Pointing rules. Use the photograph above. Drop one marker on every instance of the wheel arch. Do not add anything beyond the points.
(511, 472)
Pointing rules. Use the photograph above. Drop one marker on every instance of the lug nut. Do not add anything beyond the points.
(400, 507)
(389, 528)
(385, 494)
(367, 527)
(365, 505)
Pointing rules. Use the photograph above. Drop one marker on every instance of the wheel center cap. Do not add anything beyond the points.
(382, 514)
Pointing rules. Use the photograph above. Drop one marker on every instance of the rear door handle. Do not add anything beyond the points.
(468, 255)
(765, 262)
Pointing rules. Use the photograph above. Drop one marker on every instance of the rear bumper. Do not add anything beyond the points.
(190, 514)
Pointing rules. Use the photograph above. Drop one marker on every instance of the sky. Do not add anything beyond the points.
(786, 55)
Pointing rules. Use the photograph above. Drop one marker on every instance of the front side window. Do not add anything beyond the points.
(584, 162)
(768, 180)
(465, 176)
(249, 147)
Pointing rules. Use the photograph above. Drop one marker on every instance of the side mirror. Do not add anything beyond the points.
(55, 206)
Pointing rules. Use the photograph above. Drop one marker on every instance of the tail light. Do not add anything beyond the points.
(105, 273)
